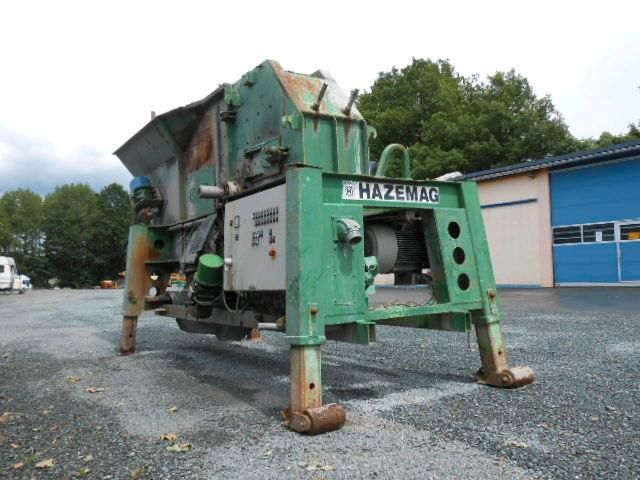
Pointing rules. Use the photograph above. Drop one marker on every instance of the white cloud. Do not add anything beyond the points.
(39, 165)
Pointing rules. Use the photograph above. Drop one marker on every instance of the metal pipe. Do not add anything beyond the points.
(349, 231)
(269, 326)
(210, 191)
(385, 157)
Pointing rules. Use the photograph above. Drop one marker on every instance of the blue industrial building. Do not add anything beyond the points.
(593, 212)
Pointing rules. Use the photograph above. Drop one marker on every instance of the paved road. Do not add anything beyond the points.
(414, 411)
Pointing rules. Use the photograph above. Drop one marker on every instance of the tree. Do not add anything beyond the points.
(21, 231)
(110, 231)
(452, 122)
(22, 213)
(5, 234)
(69, 216)
(74, 235)
(607, 138)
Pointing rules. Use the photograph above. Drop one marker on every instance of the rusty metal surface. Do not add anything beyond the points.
(148, 149)
(326, 418)
(316, 105)
(313, 421)
(509, 378)
(495, 369)
(201, 149)
(307, 414)
(304, 91)
(256, 335)
(493, 354)
(137, 281)
(128, 341)
(521, 375)
(306, 381)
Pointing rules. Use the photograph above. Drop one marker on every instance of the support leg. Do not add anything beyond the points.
(495, 368)
(307, 414)
(305, 296)
(137, 283)
(129, 328)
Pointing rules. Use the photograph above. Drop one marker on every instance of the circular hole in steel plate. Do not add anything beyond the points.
(454, 229)
(463, 281)
(458, 255)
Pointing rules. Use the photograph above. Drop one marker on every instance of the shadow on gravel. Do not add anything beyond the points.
(247, 372)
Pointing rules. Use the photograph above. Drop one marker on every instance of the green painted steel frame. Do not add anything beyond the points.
(325, 278)
(270, 108)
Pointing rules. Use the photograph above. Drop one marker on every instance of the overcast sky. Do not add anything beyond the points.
(77, 79)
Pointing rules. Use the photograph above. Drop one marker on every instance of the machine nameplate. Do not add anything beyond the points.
(394, 192)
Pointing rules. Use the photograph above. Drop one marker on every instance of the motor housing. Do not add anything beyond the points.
(398, 246)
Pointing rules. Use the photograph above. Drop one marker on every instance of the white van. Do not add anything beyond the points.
(9, 277)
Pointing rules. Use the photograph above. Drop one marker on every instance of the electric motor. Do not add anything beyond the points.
(399, 248)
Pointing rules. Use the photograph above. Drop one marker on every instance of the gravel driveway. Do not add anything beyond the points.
(71, 407)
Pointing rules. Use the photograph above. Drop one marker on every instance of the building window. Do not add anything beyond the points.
(630, 231)
(598, 232)
(595, 233)
(571, 234)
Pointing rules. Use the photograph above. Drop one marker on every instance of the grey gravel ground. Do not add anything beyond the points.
(414, 411)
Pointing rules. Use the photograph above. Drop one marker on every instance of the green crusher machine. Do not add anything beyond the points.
(258, 208)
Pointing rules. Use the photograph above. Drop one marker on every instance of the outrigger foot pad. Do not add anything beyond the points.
(312, 421)
(509, 378)
(255, 335)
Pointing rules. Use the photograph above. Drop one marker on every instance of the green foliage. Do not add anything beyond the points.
(452, 122)
(68, 218)
(22, 211)
(74, 234)
(110, 230)
(21, 230)
(5, 233)
(607, 138)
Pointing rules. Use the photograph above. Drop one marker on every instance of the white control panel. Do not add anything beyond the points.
(254, 241)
